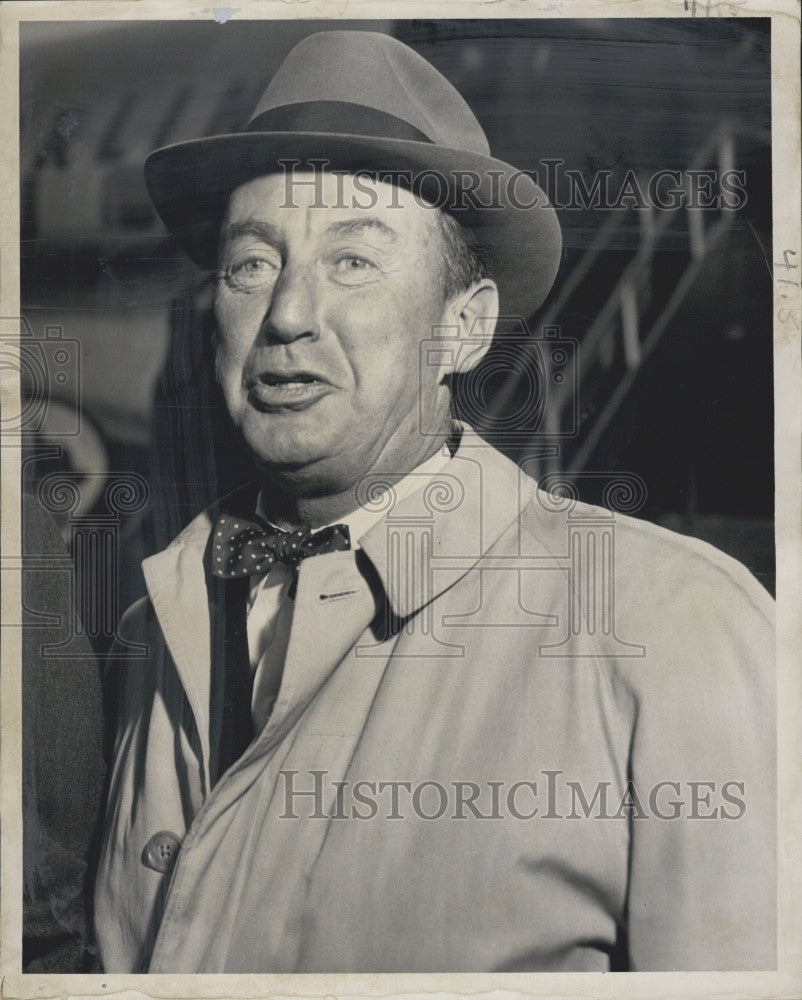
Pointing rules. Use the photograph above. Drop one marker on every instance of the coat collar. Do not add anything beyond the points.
(422, 545)
(178, 580)
(427, 541)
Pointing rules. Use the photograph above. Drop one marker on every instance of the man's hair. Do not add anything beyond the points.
(461, 264)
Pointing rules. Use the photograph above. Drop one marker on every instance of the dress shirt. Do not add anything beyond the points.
(270, 609)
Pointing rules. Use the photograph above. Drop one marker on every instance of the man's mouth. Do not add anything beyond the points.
(272, 390)
(292, 379)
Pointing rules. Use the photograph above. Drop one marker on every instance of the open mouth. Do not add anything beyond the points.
(281, 390)
(290, 380)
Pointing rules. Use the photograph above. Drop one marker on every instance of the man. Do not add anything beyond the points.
(422, 736)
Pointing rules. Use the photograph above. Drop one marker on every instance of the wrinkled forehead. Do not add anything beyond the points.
(314, 202)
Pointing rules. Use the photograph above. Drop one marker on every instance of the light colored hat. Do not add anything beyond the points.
(365, 101)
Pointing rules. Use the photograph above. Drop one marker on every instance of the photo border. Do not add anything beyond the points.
(787, 248)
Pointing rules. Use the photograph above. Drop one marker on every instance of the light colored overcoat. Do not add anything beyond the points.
(556, 752)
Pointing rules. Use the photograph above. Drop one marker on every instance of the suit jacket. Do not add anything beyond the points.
(62, 754)
(513, 733)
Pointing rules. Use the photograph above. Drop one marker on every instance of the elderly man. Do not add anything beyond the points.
(385, 724)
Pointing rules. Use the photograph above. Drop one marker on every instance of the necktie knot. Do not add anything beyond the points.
(242, 547)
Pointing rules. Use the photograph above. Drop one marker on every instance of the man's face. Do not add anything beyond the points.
(320, 312)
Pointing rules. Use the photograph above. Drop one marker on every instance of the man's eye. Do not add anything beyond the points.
(352, 267)
(253, 272)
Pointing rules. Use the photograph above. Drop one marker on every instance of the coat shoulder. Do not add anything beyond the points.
(647, 559)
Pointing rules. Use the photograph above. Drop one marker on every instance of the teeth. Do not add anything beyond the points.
(294, 381)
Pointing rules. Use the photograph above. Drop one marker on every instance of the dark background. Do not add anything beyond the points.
(692, 416)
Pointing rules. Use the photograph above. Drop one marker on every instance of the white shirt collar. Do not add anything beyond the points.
(363, 518)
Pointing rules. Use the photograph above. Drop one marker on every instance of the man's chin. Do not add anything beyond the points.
(305, 468)
(287, 460)
(281, 453)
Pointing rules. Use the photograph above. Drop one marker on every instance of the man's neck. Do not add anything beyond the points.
(288, 511)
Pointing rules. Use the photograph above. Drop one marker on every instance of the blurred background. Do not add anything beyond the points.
(651, 357)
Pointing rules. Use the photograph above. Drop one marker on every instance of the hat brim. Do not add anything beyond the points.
(514, 224)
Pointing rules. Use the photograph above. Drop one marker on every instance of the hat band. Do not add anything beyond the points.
(336, 117)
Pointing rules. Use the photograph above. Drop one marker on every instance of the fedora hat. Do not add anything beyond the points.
(363, 101)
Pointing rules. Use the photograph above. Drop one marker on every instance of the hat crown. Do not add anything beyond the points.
(374, 71)
(360, 100)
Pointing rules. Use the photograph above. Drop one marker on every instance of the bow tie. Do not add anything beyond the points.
(244, 548)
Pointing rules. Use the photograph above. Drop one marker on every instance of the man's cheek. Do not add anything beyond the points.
(222, 366)
(230, 355)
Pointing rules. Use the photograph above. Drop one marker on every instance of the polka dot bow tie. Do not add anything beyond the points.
(243, 548)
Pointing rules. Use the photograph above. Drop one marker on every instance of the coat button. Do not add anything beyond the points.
(161, 851)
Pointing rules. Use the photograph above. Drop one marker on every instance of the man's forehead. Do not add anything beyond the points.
(334, 203)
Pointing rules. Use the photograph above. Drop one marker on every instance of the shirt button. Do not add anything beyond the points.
(161, 851)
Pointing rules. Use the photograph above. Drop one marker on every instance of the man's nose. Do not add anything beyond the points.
(292, 312)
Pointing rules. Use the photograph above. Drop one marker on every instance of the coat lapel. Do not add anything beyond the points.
(334, 605)
(176, 583)
(431, 539)
(182, 591)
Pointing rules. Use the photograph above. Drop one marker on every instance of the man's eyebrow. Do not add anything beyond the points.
(265, 231)
(354, 227)
(268, 232)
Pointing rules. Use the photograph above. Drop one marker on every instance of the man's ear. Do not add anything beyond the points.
(472, 315)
